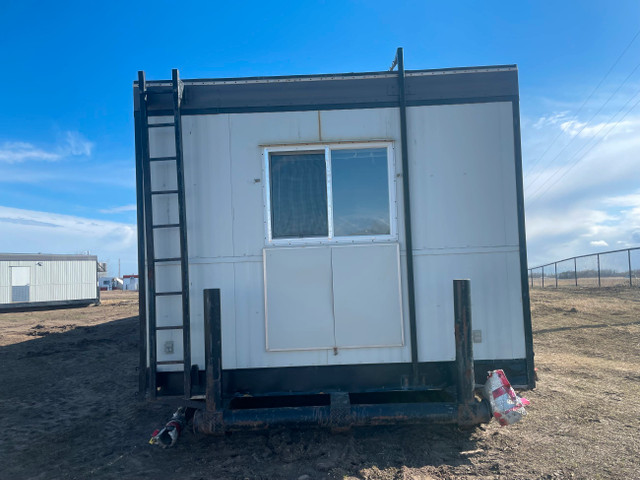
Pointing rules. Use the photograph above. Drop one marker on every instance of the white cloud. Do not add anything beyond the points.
(77, 144)
(579, 228)
(554, 223)
(113, 174)
(552, 119)
(28, 231)
(596, 165)
(14, 152)
(573, 128)
(599, 243)
(73, 144)
(628, 200)
(123, 208)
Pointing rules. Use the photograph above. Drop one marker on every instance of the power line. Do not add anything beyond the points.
(535, 197)
(589, 121)
(597, 141)
(589, 97)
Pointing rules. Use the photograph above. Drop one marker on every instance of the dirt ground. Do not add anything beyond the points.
(69, 408)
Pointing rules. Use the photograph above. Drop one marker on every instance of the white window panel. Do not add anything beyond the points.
(298, 299)
(367, 296)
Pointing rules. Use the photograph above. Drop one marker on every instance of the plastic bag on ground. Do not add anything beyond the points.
(506, 406)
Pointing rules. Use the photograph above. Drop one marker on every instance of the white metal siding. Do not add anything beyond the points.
(225, 216)
(465, 225)
(52, 280)
(464, 221)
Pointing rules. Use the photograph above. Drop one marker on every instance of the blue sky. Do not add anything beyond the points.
(67, 181)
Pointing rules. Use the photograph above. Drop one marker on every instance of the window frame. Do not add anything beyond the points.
(330, 239)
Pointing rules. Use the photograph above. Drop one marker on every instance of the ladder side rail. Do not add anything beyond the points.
(143, 374)
(184, 253)
(148, 221)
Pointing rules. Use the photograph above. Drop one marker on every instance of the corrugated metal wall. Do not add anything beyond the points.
(52, 280)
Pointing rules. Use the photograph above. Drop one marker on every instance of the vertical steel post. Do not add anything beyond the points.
(407, 213)
(542, 277)
(629, 258)
(555, 267)
(598, 257)
(213, 349)
(575, 270)
(465, 381)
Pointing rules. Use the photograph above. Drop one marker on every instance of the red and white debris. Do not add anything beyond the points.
(507, 407)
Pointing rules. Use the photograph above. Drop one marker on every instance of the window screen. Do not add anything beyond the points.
(298, 195)
(360, 192)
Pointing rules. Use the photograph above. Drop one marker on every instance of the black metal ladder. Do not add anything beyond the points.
(146, 94)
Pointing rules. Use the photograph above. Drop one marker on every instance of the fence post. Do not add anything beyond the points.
(575, 270)
(598, 257)
(542, 277)
(555, 267)
(629, 257)
(531, 276)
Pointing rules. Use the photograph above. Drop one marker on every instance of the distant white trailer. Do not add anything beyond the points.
(42, 280)
(105, 283)
(332, 213)
(130, 282)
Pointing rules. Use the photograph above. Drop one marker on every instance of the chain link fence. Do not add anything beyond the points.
(606, 269)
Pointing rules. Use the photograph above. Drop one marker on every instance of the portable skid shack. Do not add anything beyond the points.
(35, 281)
(299, 237)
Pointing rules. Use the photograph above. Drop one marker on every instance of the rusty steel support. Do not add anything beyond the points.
(465, 381)
(341, 413)
(468, 406)
(359, 415)
(213, 358)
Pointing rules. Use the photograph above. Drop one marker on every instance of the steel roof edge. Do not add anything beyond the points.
(27, 257)
(333, 76)
(323, 92)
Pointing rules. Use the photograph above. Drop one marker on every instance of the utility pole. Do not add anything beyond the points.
(119, 276)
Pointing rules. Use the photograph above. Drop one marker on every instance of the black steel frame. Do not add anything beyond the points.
(411, 291)
(522, 240)
(340, 410)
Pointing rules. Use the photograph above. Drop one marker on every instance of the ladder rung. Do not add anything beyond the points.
(165, 294)
(158, 125)
(170, 327)
(170, 362)
(163, 192)
(174, 259)
(162, 159)
(167, 225)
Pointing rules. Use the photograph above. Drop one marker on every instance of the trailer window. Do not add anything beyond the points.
(339, 193)
(299, 195)
(360, 187)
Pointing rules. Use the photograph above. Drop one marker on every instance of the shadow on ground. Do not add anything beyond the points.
(72, 412)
